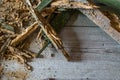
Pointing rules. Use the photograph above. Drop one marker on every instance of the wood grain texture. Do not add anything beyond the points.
(95, 56)
(103, 22)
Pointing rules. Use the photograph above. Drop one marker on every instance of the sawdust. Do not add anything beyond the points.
(17, 75)
(16, 14)
(14, 19)
(17, 23)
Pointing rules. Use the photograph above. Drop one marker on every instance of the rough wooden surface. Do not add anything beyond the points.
(103, 22)
(95, 55)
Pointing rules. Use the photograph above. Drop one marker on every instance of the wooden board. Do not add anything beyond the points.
(103, 22)
(95, 56)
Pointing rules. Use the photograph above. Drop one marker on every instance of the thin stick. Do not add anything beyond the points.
(24, 34)
(39, 35)
(6, 31)
(4, 47)
(46, 43)
(49, 31)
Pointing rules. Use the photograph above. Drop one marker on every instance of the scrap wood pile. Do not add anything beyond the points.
(107, 16)
(20, 19)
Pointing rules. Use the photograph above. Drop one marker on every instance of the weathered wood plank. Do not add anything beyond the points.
(95, 56)
(85, 70)
(103, 22)
(92, 62)
(79, 20)
(90, 33)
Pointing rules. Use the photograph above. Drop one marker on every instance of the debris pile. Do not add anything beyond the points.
(20, 19)
(14, 20)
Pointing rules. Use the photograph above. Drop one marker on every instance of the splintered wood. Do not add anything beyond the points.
(114, 20)
(20, 19)
(72, 4)
(16, 24)
(49, 31)
(24, 34)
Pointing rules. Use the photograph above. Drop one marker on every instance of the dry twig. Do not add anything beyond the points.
(48, 30)
(24, 34)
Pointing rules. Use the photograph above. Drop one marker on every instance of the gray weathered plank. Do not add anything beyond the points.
(95, 56)
(103, 22)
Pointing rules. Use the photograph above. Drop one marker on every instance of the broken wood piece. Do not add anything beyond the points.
(104, 22)
(22, 57)
(6, 31)
(26, 54)
(4, 47)
(114, 19)
(33, 55)
(6, 36)
(48, 30)
(24, 34)
(72, 5)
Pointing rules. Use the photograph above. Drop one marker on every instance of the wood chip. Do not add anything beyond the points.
(24, 34)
